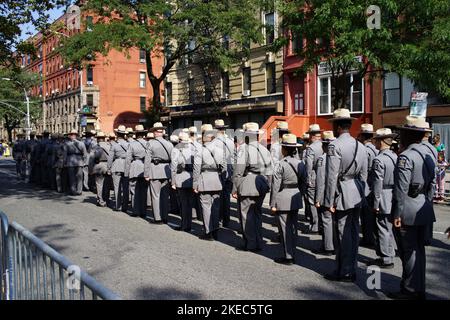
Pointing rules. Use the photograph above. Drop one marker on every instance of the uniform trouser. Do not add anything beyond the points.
(384, 238)
(368, 223)
(251, 216)
(121, 192)
(86, 178)
(411, 245)
(139, 187)
(45, 181)
(210, 207)
(227, 186)
(132, 190)
(347, 240)
(186, 197)
(102, 188)
(174, 203)
(160, 199)
(59, 179)
(307, 208)
(327, 229)
(75, 180)
(287, 226)
(196, 208)
(18, 168)
(149, 197)
(52, 177)
(313, 210)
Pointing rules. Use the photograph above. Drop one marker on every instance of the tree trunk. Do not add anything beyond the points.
(156, 102)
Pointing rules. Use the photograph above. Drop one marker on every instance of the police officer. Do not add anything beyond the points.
(182, 167)
(116, 165)
(31, 167)
(18, 154)
(43, 159)
(367, 216)
(89, 143)
(413, 209)
(174, 201)
(209, 164)
(286, 198)
(75, 155)
(226, 144)
(344, 193)
(252, 173)
(58, 162)
(381, 182)
(134, 170)
(275, 148)
(312, 153)
(157, 171)
(99, 168)
(196, 212)
(148, 137)
(326, 221)
(51, 149)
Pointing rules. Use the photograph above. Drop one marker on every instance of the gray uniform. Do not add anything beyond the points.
(367, 216)
(43, 156)
(34, 157)
(381, 181)
(58, 165)
(116, 164)
(413, 192)
(227, 146)
(134, 170)
(75, 157)
(196, 212)
(18, 155)
(51, 149)
(157, 168)
(325, 214)
(252, 173)
(99, 168)
(287, 199)
(209, 164)
(89, 143)
(182, 167)
(312, 154)
(345, 191)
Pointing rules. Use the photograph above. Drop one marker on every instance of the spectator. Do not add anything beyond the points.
(442, 165)
(440, 147)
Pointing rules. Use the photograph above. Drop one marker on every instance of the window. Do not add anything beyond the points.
(143, 103)
(392, 90)
(89, 23)
(142, 78)
(298, 103)
(271, 81)
(191, 89)
(297, 43)
(169, 93)
(246, 81)
(90, 74)
(208, 89)
(269, 26)
(225, 85)
(326, 93)
(90, 100)
(142, 56)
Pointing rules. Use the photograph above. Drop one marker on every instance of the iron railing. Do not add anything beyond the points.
(32, 270)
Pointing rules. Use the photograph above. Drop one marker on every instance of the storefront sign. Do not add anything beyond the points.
(418, 104)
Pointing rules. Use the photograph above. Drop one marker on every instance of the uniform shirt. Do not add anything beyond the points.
(227, 146)
(381, 180)
(117, 156)
(345, 192)
(275, 153)
(134, 163)
(98, 163)
(320, 179)
(182, 165)
(89, 143)
(75, 154)
(312, 154)
(209, 164)
(157, 160)
(42, 151)
(372, 152)
(253, 170)
(58, 155)
(18, 149)
(413, 178)
(285, 192)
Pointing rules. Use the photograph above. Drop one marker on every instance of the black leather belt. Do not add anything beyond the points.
(157, 161)
(290, 186)
(388, 187)
(142, 159)
(210, 170)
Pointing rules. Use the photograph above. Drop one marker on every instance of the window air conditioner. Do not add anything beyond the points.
(89, 83)
(270, 56)
(246, 93)
(142, 60)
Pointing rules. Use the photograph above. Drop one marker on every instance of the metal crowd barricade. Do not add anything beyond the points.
(32, 270)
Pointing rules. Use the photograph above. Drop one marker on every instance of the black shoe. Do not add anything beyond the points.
(164, 221)
(241, 248)
(215, 235)
(403, 295)
(380, 263)
(284, 261)
(323, 252)
(258, 249)
(155, 222)
(177, 228)
(335, 277)
(225, 224)
(366, 244)
(206, 236)
(311, 232)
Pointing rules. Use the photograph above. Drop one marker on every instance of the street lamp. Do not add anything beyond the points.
(28, 128)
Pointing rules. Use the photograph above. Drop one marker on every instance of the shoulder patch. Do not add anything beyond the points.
(331, 150)
(320, 162)
(401, 163)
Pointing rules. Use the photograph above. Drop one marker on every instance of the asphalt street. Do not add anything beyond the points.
(139, 260)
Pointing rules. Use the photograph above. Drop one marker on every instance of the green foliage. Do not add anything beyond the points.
(413, 39)
(167, 29)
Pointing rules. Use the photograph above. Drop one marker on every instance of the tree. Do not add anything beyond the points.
(12, 100)
(409, 40)
(15, 13)
(165, 29)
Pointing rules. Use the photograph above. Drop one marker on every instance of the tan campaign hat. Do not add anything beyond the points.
(328, 136)
(367, 128)
(72, 132)
(384, 133)
(100, 134)
(341, 114)
(111, 135)
(184, 137)
(314, 128)
(139, 128)
(174, 138)
(252, 127)
(305, 136)
(220, 124)
(157, 126)
(129, 130)
(289, 140)
(150, 135)
(192, 129)
(207, 127)
(121, 129)
(416, 124)
(282, 126)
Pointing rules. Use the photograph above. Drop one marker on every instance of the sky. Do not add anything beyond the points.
(29, 28)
